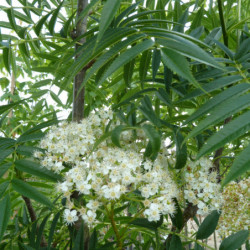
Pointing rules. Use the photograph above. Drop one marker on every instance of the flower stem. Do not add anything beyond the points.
(112, 220)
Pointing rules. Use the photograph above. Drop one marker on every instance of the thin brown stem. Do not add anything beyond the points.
(33, 217)
(189, 212)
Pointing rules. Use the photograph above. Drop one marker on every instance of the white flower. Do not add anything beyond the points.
(93, 204)
(145, 191)
(83, 187)
(153, 213)
(58, 167)
(112, 193)
(89, 217)
(64, 186)
(70, 216)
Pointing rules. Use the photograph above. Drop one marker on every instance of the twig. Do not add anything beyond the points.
(189, 212)
(33, 217)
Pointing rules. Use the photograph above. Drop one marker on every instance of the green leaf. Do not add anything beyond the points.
(27, 190)
(115, 135)
(182, 20)
(139, 15)
(231, 131)
(132, 95)
(93, 240)
(6, 58)
(181, 150)
(196, 22)
(211, 86)
(187, 48)
(22, 17)
(4, 168)
(5, 212)
(108, 12)
(5, 153)
(13, 63)
(11, 17)
(147, 110)
(240, 166)
(208, 226)
(30, 137)
(41, 126)
(234, 241)
(6, 143)
(125, 57)
(225, 49)
(175, 243)
(177, 63)
(128, 71)
(52, 20)
(23, 47)
(26, 150)
(107, 57)
(41, 83)
(177, 217)
(149, 22)
(40, 232)
(86, 10)
(111, 37)
(156, 60)
(65, 28)
(164, 97)
(218, 99)
(143, 222)
(154, 137)
(144, 64)
(79, 240)
(4, 108)
(40, 24)
(3, 187)
(126, 12)
(35, 169)
(52, 228)
(221, 112)
(56, 99)
(100, 140)
(243, 49)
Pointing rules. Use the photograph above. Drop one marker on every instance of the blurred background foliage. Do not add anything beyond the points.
(181, 65)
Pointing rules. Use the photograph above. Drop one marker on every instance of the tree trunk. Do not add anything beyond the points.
(78, 98)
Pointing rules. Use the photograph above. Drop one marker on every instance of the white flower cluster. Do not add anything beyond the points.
(235, 214)
(108, 174)
(201, 187)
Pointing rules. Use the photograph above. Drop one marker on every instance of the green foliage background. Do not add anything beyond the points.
(182, 66)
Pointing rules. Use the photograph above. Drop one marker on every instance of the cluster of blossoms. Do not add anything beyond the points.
(236, 208)
(106, 175)
(201, 187)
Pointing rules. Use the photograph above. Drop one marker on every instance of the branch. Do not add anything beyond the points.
(78, 98)
(30, 208)
(78, 95)
(189, 212)
(217, 156)
(33, 217)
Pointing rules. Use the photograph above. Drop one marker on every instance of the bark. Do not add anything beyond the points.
(33, 218)
(78, 95)
(217, 156)
(189, 212)
(78, 98)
